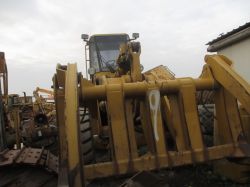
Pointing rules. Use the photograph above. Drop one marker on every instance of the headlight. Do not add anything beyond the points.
(91, 71)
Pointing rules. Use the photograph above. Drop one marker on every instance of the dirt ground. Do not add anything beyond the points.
(185, 176)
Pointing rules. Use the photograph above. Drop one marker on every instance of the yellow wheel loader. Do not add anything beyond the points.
(122, 121)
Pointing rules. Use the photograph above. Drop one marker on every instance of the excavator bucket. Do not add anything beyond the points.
(149, 124)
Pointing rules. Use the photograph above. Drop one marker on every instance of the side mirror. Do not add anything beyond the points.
(85, 37)
(135, 35)
(142, 68)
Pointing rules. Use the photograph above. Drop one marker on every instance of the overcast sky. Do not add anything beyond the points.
(37, 34)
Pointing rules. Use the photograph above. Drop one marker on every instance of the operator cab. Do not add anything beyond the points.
(102, 51)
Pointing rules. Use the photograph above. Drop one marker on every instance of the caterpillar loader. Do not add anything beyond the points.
(122, 121)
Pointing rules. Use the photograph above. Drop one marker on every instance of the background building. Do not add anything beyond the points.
(236, 46)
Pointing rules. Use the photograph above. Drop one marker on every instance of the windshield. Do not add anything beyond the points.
(104, 51)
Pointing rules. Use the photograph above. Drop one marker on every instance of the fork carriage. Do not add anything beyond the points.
(168, 117)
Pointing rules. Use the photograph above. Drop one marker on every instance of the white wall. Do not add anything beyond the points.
(239, 53)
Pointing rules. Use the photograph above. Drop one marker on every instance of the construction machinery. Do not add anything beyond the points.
(31, 121)
(25, 119)
(123, 121)
(18, 130)
(3, 96)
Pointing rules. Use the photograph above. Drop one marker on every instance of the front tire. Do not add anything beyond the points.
(86, 137)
